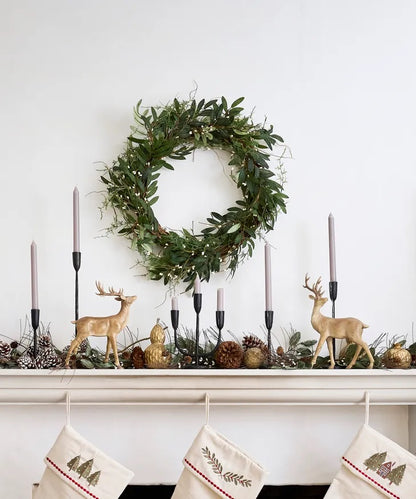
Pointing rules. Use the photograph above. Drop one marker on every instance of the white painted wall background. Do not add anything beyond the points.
(336, 79)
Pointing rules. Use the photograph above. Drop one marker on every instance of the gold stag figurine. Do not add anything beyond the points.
(103, 326)
(349, 328)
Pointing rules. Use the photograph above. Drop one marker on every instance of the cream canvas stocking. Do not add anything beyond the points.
(374, 467)
(75, 469)
(214, 467)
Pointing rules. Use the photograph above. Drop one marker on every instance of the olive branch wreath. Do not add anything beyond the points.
(174, 131)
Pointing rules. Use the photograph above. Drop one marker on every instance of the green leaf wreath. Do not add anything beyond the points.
(174, 132)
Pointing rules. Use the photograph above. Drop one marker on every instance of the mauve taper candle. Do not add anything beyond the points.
(75, 208)
(175, 303)
(332, 262)
(197, 285)
(34, 274)
(268, 277)
(220, 299)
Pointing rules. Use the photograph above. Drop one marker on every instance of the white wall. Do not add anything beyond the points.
(336, 79)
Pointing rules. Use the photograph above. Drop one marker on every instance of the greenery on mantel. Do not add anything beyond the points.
(293, 353)
(174, 131)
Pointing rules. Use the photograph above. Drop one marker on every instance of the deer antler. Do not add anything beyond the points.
(110, 292)
(316, 289)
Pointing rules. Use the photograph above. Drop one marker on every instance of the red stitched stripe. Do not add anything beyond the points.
(72, 480)
(369, 478)
(207, 479)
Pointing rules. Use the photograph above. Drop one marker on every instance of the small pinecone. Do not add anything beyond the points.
(280, 351)
(229, 355)
(83, 346)
(25, 362)
(44, 341)
(5, 350)
(137, 358)
(47, 358)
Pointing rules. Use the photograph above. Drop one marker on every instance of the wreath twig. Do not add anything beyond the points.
(173, 132)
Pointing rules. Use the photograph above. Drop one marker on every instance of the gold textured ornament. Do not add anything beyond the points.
(156, 356)
(397, 357)
(254, 358)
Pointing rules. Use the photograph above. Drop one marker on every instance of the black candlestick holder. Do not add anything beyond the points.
(268, 316)
(199, 360)
(34, 315)
(76, 262)
(333, 292)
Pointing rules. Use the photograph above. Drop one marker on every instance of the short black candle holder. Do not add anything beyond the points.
(268, 317)
(34, 315)
(199, 360)
(76, 262)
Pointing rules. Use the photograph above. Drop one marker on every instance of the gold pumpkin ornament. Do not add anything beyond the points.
(156, 356)
(397, 357)
(254, 358)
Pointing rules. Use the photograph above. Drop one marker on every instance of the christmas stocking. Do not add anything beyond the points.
(214, 467)
(374, 466)
(75, 469)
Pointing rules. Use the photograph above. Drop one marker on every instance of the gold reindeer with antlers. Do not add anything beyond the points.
(103, 326)
(349, 328)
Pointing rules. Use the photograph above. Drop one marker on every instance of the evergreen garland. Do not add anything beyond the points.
(174, 132)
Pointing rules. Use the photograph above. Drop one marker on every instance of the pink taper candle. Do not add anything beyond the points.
(75, 208)
(220, 299)
(268, 276)
(175, 303)
(332, 263)
(34, 274)
(197, 285)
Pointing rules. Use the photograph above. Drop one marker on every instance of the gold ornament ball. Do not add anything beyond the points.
(397, 357)
(254, 358)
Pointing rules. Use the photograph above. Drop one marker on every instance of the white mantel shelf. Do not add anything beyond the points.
(228, 387)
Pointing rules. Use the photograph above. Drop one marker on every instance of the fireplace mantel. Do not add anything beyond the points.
(227, 387)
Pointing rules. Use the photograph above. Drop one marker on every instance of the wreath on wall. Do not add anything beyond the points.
(174, 132)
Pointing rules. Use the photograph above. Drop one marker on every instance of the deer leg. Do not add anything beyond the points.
(364, 345)
(331, 352)
(355, 357)
(75, 343)
(318, 349)
(114, 347)
(107, 351)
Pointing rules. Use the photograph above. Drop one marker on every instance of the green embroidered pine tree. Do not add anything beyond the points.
(85, 468)
(73, 463)
(375, 461)
(396, 474)
(93, 478)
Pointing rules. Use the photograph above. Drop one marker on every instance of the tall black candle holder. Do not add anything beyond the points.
(199, 360)
(333, 292)
(34, 315)
(76, 262)
(268, 317)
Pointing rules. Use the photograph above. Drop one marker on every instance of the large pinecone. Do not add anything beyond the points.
(137, 358)
(25, 362)
(229, 355)
(47, 358)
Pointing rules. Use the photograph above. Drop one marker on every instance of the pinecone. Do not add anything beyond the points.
(44, 341)
(229, 355)
(253, 341)
(5, 350)
(47, 358)
(137, 358)
(25, 362)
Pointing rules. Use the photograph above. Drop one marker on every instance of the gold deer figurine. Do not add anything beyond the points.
(349, 328)
(103, 326)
